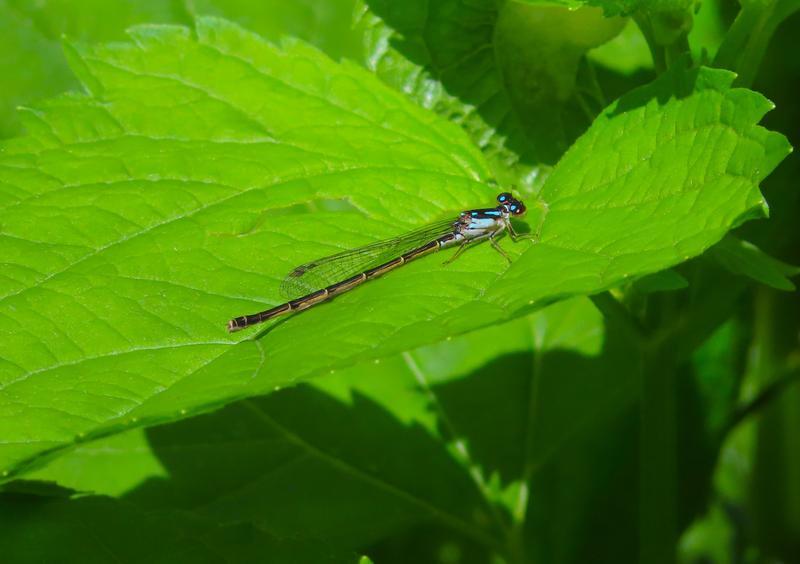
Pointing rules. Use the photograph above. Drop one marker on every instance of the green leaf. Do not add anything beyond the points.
(708, 30)
(33, 28)
(664, 281)
(743, 258)
(30, 31)
(138, 219)
(36, 488)
(510, 74)
(659, 137)
(99, 529)
(447, 433)
(110, 466)
(748, 37)
(327, 24)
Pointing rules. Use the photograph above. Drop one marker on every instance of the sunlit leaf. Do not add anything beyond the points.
(137, 219)
(510, 74)
(356, 443)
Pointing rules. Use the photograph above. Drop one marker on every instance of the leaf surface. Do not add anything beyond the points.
(476, 416)
(101, 529)
(33, 29)
(506, 72)
(745, 259)
(200, 169)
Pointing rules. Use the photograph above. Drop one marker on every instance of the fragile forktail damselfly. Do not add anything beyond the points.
(319, 280)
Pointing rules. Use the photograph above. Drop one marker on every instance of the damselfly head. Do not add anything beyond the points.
(510, 204)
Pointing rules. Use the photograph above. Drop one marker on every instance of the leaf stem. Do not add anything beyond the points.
(642, 19)
(771, 392)
(664, 54)
(748, 37)
(516, 540)
(657, 435)
(657, 457)
(611, 308)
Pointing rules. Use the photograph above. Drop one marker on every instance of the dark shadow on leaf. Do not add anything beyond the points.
(583, 503)
(429, 543)
(456, 42)
(518, 411)
(270, 326)
(677, 83)
(305, 464)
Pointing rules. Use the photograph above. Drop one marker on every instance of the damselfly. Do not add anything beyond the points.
(319, 280)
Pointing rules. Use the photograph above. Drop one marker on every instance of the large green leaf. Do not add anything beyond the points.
(35, 67)
(510, 74)
(741, 257)
(137, 219)
(99, 529)
(746, 42)
(445, 434)
(31, 60)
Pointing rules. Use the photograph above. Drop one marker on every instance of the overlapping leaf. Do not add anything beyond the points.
(34, 65)
(136, 220)
(476, 416)
(100, 529)
(508, 73)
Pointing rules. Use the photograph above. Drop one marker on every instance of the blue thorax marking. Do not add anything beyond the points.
(492, 213)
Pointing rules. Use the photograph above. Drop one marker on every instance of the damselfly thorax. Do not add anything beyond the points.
(324, 278)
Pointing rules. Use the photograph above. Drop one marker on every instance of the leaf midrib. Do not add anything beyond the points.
(446, 517)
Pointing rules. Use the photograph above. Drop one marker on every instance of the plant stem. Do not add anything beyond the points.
(656, 51)
(765, 397)
(664, 54)
(748, 37)
(657, 457)
(657, 437)
(611, 308)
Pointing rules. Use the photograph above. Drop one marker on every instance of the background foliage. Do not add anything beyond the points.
(179, 168)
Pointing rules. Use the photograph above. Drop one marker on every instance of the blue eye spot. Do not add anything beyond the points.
(513, 208)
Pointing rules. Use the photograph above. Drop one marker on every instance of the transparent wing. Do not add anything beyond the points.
(318, 274)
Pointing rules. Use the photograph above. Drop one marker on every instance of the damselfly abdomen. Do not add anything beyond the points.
(319, 280)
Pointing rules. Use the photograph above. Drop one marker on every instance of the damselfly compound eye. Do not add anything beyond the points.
(504, 197)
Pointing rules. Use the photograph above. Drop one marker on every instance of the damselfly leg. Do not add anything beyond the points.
(499, 249)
